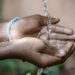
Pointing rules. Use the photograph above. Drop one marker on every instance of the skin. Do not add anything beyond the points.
(30, 42)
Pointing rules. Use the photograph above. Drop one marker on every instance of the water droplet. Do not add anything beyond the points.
(46, 13)
(45, 1)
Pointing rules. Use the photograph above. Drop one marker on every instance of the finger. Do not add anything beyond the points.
(65, 51)
(68, 46)
(61, 36)
(74, 44)
(73, 48)
(70, 52)
(46, 60)
(53, 20)
(61, 29)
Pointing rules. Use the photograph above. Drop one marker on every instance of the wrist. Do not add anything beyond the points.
(5, 51)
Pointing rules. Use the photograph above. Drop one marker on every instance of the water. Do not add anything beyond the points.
(41, 70)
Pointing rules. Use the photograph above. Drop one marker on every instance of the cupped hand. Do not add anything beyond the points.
(29, 26)
(58, 45)
(37, 52)
(32, 26)
(54, 51)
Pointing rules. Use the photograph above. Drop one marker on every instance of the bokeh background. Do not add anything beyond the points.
(63, 9)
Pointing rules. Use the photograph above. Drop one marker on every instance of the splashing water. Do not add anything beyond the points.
(41, 70)
(48, 16)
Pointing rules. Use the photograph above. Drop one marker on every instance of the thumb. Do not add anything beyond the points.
(53, 20)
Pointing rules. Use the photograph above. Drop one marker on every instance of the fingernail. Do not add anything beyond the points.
(55, 20)
(69, 31)
(74, 36)
(58, 18)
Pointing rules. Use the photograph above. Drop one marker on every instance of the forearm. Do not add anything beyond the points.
(18, 29)
(3, 32)
(23, 49)
(5, 50)
(17, 49)
(9, 50)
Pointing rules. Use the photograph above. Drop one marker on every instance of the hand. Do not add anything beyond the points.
(32, 25)
(41, 55)
(36, 51)
(62, 48)
(58, 33)
(29, 26)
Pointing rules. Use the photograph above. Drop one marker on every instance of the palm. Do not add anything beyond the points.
(58, 48)
(29, 26)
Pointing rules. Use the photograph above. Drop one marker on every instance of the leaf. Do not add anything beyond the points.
(51, 71)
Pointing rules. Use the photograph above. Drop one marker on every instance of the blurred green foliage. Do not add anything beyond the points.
(18, 67)
(51, 71)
